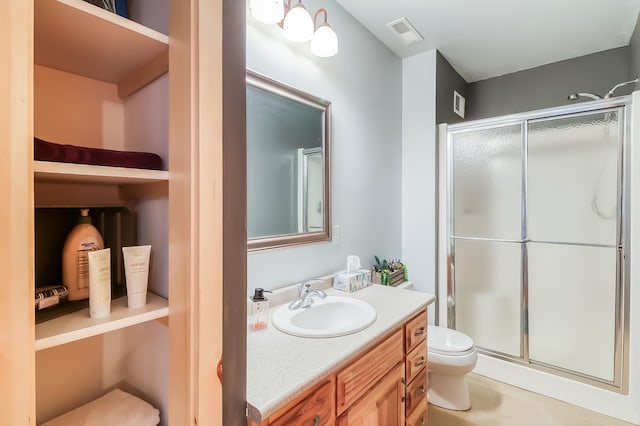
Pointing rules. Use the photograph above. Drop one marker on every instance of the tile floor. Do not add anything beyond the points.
(498, 404)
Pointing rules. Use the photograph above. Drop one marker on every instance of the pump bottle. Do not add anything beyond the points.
(259, 310)
(82, 239)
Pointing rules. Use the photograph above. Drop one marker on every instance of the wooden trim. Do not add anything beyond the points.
(234, 220)
(182, 342)
(17, 355)
(210, 227)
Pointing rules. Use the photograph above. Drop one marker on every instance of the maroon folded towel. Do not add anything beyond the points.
(49, 151)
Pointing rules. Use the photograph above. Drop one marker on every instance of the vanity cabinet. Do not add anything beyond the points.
(386, 385)
(415, 349)
(381, 405)
(317, 408)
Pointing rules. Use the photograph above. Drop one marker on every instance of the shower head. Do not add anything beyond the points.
(619, 85)
(576, 96)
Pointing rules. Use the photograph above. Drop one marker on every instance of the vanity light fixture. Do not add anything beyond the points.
(325, 41)
(267, 11)
(297, 25)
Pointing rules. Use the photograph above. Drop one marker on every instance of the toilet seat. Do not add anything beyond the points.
(446, 341)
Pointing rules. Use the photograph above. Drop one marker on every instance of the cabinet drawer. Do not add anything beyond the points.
(316, 409)
(416, 361)
(415, 331)
(419, 416)
(362, 374)
(416, 392)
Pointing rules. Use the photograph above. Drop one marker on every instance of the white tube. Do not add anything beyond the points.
(99, 283)
(136, 271)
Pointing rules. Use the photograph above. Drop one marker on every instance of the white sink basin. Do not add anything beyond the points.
(329, 317)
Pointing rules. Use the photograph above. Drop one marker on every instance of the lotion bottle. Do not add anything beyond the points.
(82, 239)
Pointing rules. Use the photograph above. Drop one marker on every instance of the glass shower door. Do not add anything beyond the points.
(573, 206)
(486, 238)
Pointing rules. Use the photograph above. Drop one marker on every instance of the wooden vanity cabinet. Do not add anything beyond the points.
(316, 409)
(385, 386)
(415, 349)
(381, 405)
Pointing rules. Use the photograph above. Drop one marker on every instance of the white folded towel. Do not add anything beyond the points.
(115, 408)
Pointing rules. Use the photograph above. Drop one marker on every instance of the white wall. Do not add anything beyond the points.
(419, 170)
(363, 82)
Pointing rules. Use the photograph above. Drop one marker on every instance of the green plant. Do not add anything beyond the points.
(386, 268)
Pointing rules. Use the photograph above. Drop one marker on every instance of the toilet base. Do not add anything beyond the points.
(450, 392)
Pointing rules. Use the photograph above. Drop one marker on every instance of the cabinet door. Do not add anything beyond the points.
(317, 409)
(362, 374)
(381, 406)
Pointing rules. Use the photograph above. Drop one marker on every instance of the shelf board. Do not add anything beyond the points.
(78, 325)
(80, 38)
(85, 173)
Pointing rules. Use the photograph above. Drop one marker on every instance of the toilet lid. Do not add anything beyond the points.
(446, 340)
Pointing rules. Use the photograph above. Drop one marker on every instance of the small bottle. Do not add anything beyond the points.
(259, 310)
(75, 259)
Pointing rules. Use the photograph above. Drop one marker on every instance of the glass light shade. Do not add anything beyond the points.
(267, 11)
(298, 25)
(324, 42)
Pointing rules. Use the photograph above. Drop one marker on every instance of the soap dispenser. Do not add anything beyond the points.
(259, 310)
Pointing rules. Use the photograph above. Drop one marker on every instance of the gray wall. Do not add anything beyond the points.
(364, 83)
(634, 54)
(447, 80)
(548, 85)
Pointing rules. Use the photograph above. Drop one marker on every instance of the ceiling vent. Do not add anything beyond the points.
(403, 28)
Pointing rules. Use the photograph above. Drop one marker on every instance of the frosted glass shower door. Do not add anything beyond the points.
(573, 222)
(487, 235)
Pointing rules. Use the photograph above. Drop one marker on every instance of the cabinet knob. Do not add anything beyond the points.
(316, 420)
(419, 332)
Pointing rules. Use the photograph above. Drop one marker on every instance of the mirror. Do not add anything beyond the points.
(288, 172)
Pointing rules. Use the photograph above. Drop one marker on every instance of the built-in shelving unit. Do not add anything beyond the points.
(80, 38)
(95, 46)
(79, 325)
(67, 172)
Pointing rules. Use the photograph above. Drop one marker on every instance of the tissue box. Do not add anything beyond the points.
(352, 281)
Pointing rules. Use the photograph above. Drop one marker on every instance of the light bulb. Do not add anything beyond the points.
(267, 11)
(298, 25)
(324, 42)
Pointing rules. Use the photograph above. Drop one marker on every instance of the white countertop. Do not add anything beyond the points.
(280, 366)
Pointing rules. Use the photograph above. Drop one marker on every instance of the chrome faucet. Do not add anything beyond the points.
(306, 295)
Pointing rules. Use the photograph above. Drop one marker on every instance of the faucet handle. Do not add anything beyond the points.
(305, 286)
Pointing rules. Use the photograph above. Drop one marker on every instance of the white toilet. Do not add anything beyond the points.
(451, 356)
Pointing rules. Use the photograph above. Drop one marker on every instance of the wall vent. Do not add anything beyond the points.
(403, 29)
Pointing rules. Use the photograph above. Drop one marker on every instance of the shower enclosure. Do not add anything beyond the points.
(535, 247)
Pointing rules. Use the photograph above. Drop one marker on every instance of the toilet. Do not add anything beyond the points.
(451, 356)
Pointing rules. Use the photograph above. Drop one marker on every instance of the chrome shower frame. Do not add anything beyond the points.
(446, 239)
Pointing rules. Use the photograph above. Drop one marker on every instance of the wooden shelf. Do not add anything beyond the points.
(84, 173)
(78, 325)
(80, 38)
